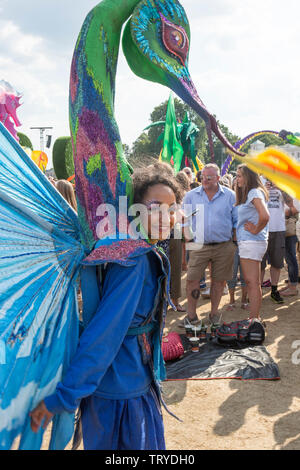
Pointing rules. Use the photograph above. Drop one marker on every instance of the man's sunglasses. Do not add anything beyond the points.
(207, 178)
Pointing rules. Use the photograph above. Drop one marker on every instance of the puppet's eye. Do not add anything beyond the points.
(175, 40)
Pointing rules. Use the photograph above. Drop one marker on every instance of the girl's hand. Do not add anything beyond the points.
(40, 416)
(250, 227)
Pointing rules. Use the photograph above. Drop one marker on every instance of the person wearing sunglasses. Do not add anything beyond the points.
(213, 230)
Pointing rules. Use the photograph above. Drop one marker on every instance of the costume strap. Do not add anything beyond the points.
(140, 330)
(158, 360)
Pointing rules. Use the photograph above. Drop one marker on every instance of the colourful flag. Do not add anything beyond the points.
(172, 146)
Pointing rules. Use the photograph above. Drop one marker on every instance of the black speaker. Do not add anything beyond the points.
(49, 139)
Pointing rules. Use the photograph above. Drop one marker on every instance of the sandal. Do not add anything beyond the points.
(245, 305)
(214, 319)
(261, 320)
(288, 292)
(180, 308)
(230, 307)
(284, 289)
(187, 321)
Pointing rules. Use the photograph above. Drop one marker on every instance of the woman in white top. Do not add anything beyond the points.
(252, 232)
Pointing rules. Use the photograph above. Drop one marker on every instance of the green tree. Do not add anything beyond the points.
(142, 153)
(219, 149)
(126, 149)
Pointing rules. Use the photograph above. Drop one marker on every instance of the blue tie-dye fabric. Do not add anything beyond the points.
(40, 255)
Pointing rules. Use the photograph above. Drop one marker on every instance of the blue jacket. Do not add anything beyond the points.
(108, 362)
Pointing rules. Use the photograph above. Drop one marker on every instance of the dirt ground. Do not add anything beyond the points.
(233, 414)
(242, 415)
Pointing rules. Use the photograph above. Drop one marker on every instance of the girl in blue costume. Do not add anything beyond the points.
(111, 376)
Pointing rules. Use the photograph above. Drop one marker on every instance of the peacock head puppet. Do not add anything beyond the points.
(156, 43)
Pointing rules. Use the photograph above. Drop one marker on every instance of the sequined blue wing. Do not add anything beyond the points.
(40, 255)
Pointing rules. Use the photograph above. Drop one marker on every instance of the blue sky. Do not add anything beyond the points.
(244, 62)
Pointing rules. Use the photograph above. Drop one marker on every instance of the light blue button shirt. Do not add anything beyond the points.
(216, 219)
(248, 213)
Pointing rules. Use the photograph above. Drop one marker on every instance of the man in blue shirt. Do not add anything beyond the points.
(213, 226)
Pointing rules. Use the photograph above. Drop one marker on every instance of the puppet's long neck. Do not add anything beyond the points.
(102, 174)
(96, 54)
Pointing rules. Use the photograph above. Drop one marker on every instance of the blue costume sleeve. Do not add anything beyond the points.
(102, 338)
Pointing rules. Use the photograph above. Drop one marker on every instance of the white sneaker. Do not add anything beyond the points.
(206, 293)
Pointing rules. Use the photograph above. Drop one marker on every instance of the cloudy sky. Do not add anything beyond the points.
(244, 62)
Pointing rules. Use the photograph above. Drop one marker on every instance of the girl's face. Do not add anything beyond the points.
(159, 218)
(240, 179)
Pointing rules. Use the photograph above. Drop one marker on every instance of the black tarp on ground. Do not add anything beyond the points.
(215, 361)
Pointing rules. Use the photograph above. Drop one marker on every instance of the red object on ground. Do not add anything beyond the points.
(172, 347)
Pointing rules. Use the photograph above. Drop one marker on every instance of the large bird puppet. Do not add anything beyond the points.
(156, 45)
(45, 249)
(240, 144)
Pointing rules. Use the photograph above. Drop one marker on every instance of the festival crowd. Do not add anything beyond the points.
(247, 224)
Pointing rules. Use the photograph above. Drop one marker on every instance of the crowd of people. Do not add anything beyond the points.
(246, 223)
(249, 223)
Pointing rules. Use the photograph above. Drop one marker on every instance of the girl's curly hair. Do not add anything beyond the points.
(144, 178)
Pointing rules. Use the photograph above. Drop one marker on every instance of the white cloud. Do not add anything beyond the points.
(19, 43)
(29, 63)
(21, 47)
(244, 65)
